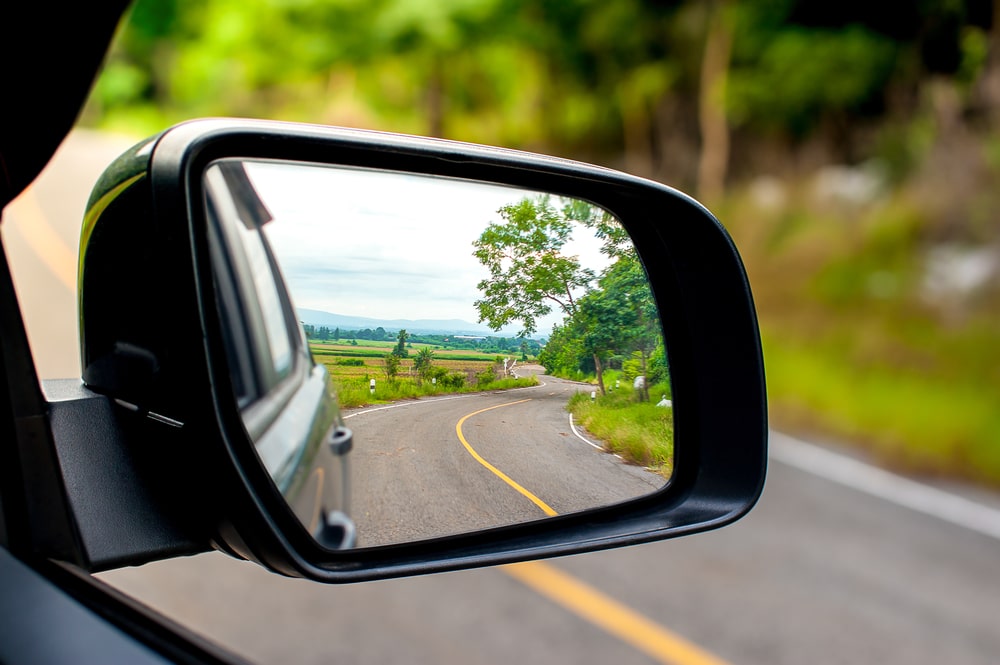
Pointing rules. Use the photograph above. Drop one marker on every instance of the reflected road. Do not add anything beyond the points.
(442, 466)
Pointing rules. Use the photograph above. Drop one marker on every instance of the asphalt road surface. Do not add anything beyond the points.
(435, 467)
(839, 562)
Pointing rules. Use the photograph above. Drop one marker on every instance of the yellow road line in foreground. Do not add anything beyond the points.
(34, 227)
(607, 613)
(500, 474)
(587, 602)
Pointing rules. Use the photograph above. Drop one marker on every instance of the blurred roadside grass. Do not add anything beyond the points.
(856, 344)
(908, 420)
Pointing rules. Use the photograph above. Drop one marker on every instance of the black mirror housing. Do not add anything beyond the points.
(151, 340)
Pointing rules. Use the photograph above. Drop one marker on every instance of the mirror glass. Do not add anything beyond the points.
(495, 352)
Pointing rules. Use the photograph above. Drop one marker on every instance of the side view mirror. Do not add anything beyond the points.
(349, 355)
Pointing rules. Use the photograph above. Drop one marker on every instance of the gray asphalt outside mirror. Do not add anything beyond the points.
(455, 323)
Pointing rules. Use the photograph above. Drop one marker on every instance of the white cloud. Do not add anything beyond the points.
(382, 244)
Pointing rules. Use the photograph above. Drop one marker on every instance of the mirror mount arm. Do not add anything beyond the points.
(128, 509)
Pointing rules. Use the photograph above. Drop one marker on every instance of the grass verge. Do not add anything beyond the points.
(641, 432)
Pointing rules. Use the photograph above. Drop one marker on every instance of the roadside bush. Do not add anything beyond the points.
(632, 367)
(453, 381)
(657, 367)
(487, 376)
(438, 373)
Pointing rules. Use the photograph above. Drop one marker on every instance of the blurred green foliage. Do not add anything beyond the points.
(569, 76)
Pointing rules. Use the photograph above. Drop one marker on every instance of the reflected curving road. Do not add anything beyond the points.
(441, 466)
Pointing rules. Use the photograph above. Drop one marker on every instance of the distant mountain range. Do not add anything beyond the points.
(318, 318)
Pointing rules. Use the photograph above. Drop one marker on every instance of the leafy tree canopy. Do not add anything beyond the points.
(529, 274)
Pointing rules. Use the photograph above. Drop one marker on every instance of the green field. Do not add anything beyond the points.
(370, 349)
(352, 367)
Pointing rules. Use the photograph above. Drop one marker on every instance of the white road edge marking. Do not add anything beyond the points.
(884, 485)
(580, 436)
(401, 404)
(584, 439)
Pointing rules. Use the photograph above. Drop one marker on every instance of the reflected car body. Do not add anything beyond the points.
(284, 395)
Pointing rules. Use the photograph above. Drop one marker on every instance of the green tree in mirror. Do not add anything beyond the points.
(390, 366)
(423, 363)
(400, 350)
(617, 318)
(531, 273)
(622, 308)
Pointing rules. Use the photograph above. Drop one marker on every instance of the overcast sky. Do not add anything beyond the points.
(386, 245)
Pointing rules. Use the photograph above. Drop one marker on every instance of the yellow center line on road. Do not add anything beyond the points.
(607, 613)
(32, 224)
(500, 474)
(587, 602)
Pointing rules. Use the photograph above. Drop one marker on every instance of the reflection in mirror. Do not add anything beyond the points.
(496, 352)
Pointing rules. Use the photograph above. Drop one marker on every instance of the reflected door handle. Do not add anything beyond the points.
(341, 441)
(336, 531)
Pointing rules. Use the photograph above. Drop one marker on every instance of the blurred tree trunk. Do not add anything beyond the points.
(638, 137)
(989, 80)
(712, 110)
(947, 105)
(678, 147)
(436, 98)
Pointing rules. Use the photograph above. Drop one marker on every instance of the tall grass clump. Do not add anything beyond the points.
(641, 432)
